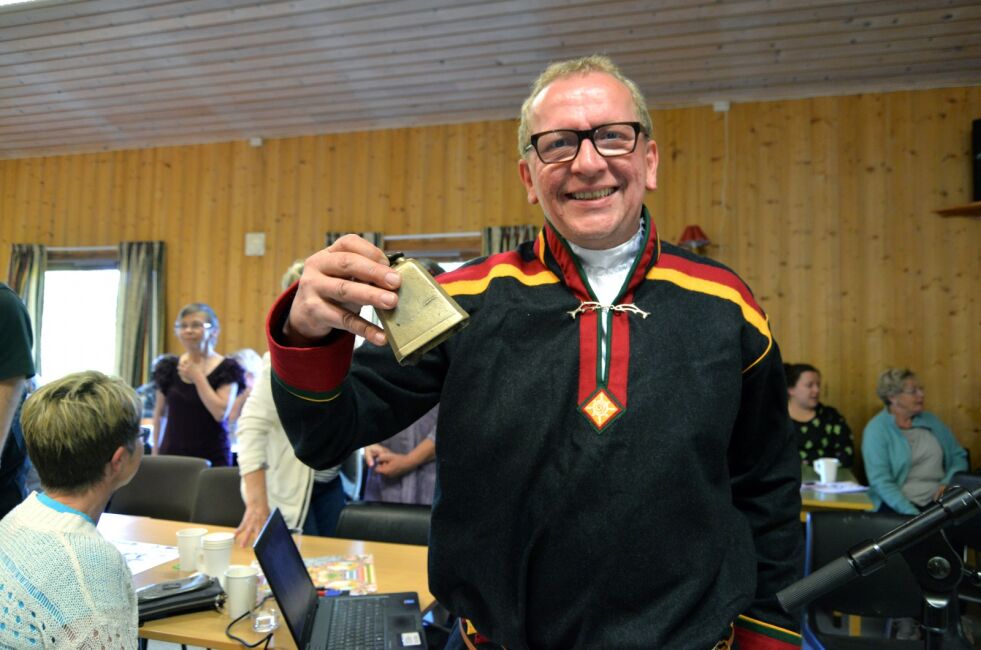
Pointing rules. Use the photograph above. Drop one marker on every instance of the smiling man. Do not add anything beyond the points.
(615, 463)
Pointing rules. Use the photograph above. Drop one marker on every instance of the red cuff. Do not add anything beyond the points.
(313, 372)
(751, 634)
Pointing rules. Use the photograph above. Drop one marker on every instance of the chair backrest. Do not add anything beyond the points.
(164, 488)
(219, 500)
(968, 532)
(890, 592)
(399, 523)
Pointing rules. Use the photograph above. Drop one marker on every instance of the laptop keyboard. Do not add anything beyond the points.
(357, 624)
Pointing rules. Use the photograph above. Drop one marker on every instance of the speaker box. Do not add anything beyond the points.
(976, 157)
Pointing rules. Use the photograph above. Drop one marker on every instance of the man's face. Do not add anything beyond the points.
(592, 201)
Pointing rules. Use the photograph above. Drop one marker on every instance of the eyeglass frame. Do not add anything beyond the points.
(913, 391)
(192, 326)
(586, 134)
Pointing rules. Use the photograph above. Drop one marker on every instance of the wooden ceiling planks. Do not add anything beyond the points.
(117, 74)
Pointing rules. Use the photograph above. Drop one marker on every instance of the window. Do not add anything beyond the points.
(78, 331)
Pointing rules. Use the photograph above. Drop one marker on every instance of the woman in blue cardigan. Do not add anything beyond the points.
(910, 455)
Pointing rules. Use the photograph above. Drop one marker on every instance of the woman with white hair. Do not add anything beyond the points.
(910, 455)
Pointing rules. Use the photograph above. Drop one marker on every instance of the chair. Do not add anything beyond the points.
(164, 488)
(890, 592)
(218, 500)
(399, 523)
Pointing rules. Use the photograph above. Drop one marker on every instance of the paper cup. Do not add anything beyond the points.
(189, 547)
(217, 549)
(827, 469)
(240, 586)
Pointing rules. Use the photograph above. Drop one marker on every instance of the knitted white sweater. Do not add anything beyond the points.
(62, 585)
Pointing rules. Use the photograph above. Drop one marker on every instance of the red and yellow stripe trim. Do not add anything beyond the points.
(474, 280)
(717, 282)
(754, 634)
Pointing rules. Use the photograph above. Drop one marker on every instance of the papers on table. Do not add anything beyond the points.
(834, 488)
(141, 556)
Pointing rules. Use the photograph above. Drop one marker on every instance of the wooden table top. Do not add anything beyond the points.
(398, 567)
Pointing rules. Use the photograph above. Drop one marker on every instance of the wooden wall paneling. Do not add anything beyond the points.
(454, 190)
(398, 181)
(824, 298)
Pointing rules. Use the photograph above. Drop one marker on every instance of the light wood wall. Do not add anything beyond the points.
(823, 205)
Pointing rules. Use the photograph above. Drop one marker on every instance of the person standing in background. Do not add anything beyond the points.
(196, 391)
(272, 476)
(16, 367)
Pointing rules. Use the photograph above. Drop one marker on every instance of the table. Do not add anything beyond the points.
(812, 500)
(398, 567)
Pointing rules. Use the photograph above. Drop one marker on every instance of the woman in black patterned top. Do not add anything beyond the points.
(821, 430)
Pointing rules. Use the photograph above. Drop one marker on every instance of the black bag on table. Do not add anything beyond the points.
(182, 596)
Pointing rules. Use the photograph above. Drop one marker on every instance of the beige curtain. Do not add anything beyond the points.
(375, 238)
(506, 238)
(28, 262)
(140, 309)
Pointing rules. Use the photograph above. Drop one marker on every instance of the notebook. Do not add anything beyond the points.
(382, 621)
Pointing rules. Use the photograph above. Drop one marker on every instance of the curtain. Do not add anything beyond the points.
(375, 238)
(499, 239)
(28, 263)
(139, 309)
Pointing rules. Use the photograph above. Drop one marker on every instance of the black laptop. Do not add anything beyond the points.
(382, 621)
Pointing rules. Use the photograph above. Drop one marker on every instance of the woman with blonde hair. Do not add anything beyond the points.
(910, 455)
(196, 391)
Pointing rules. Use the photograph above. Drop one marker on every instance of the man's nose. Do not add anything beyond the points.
(588, 160)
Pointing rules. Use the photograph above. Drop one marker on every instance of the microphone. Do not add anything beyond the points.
(956, 506)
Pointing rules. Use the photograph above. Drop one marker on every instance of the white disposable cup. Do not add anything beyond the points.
(827, 469)
(189, 547)
(217, 548)
(240, 586)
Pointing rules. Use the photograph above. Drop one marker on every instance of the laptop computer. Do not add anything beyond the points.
(382, 621)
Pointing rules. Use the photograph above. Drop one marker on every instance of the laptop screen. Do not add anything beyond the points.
(286, 574)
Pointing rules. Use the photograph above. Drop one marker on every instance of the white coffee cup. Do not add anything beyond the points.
(240, 586)
(827, 469)
(217, 548)
(189, 547)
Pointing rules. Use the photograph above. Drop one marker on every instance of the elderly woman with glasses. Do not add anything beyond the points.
(196, 391)
(910, 455)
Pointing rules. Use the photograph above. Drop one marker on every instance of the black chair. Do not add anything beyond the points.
(966, 538)
(890, 592)
(399, 523)
(218, 500)
(164, 488)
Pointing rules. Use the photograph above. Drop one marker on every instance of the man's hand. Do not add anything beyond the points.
(335, 284)
(252, 522)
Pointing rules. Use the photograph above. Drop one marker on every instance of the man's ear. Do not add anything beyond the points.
(651, 156)
(524, 170)
(115, 464)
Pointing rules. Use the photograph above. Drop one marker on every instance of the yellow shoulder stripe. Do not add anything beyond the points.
(700, 285)
(473, 287)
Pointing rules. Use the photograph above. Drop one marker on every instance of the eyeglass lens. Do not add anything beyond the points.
(609, 139)
(191, 326)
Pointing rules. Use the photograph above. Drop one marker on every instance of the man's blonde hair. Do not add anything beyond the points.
(74, 425)
(581, 66)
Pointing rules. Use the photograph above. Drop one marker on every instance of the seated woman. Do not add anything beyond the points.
(821, 430)
(910, 456)
(64, 585)
(196, 391)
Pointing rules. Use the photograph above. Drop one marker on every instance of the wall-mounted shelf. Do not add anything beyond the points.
(966, 210)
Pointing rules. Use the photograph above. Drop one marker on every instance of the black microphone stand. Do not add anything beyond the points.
(932, 560)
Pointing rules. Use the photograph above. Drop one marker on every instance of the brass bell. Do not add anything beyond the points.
(425, 315)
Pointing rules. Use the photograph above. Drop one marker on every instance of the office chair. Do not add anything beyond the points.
(218, 500)
(890, 592)
(399, 523)
(164, 488)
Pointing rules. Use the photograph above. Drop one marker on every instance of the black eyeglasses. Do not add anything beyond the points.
(610, 140)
